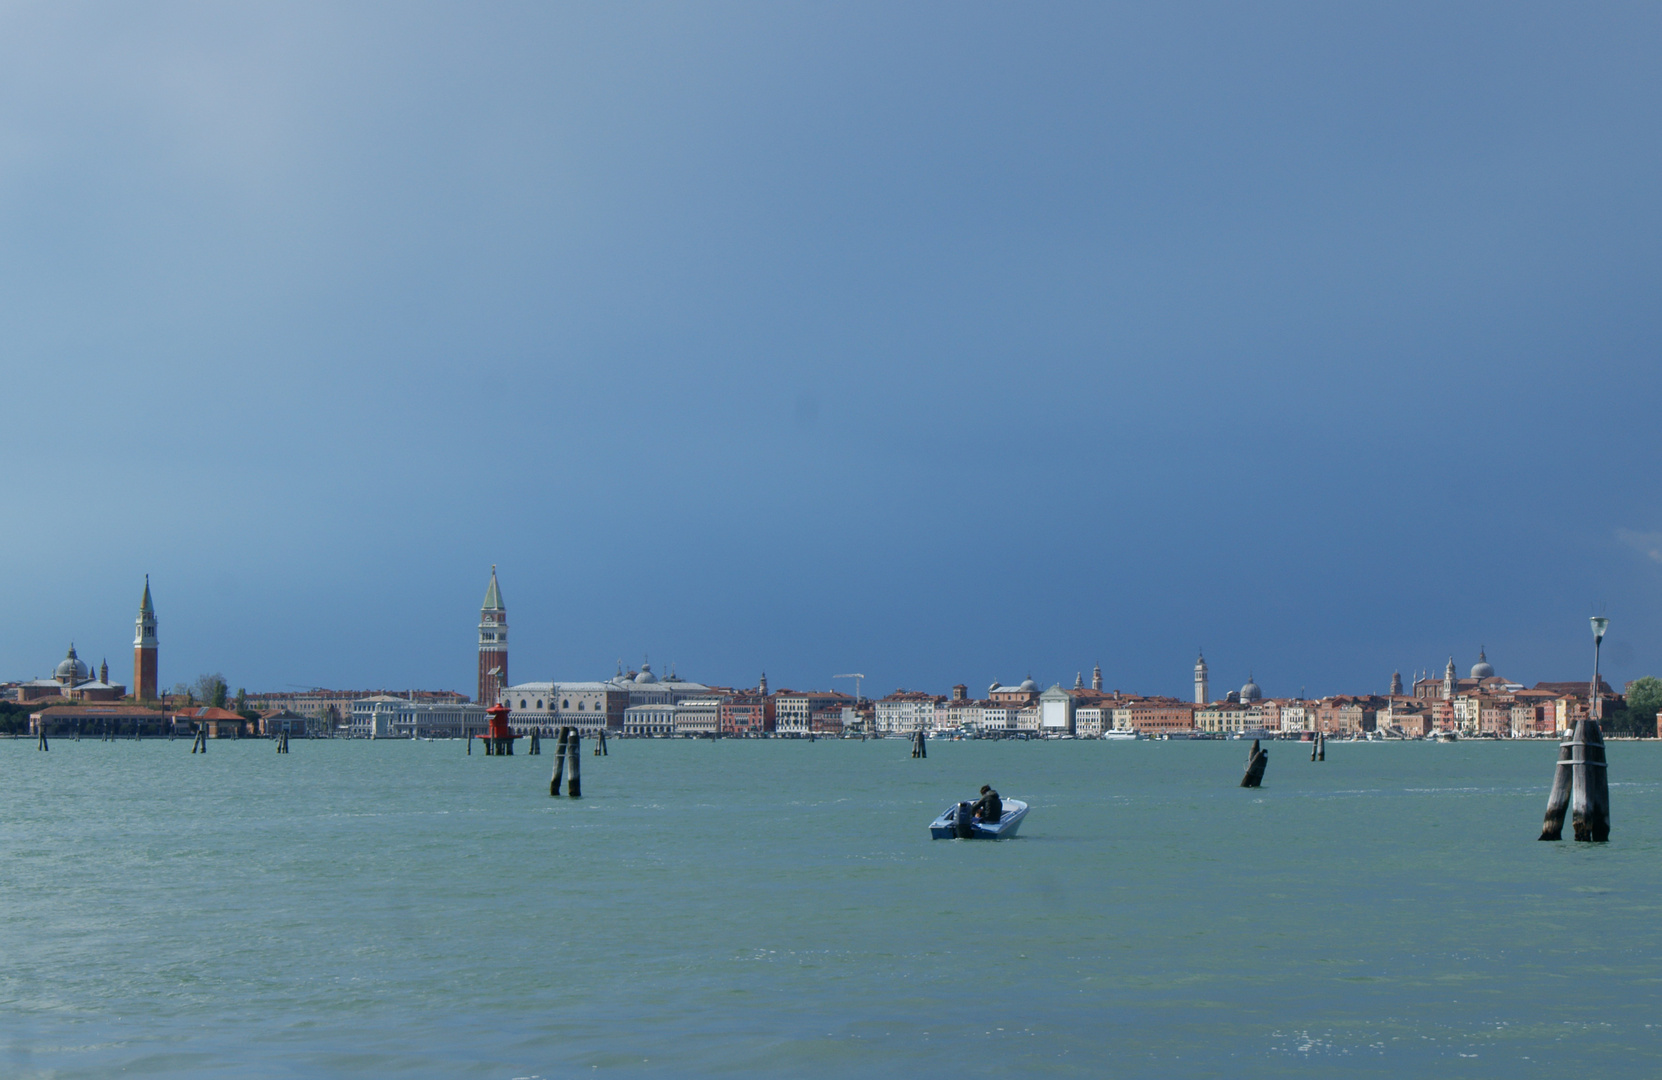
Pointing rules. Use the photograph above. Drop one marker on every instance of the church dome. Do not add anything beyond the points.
(1028, 686)
(1251, 692)
(71, 670)
(646, 675)
(1482, 669)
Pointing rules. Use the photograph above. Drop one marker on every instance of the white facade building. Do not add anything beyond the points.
(1056, 711)
(696, 716)
(384, 717)
(906, 711)
(649, 720)
(546, 707)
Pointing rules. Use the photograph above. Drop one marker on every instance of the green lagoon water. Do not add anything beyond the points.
(748, 908)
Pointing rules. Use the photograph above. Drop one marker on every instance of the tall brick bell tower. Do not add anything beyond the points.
(493, 645)
(144, 649)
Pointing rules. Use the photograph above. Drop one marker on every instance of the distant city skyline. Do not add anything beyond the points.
(935, 344)
(492, 658)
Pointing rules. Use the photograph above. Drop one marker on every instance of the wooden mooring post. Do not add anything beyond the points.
(1589, 783)
(199, 745)
(574, 782)
(559, 762)
(536, 742)
(919, 750)
(600, 743)
(42, 744)
(1256, 761)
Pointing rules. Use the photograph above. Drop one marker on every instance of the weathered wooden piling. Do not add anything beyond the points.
(1558, 799)
(600, 743)
(560, 742)
(1256, 761)
(918, 750)
(574, 783)
(42, 745)
(1589, 783)
(468, 738)
(535, 746)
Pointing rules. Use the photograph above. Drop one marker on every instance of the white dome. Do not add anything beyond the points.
(1251, 692)
(71, 669)
(646, 675)
(1482, 669)
(1029, 686)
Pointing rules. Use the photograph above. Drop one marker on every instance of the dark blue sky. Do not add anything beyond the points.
(939, 342)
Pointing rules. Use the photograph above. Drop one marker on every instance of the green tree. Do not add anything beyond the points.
(1644, 701)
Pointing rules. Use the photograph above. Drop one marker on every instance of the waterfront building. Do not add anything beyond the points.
(1026, 693)
(1297, 716)
(1225, 718)
(1154, 716)
(493, 644)
(696, 716)
(331, 710)
(71, 680)
(545, 707)
(959, 713)
(906, 711)
(1089, 721)
(1346, 715)
(289, 722)
(92, 719)
(384, 716)
(998, 716)
(1056, 711)
(793, 709)
(649, 720)
(748, 713)
(218, 723)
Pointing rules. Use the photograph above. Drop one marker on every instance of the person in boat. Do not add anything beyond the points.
(990, 807)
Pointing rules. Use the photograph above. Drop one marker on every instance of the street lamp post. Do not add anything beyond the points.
(1595, 703)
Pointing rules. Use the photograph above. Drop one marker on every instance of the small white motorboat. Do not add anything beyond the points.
(957, 823)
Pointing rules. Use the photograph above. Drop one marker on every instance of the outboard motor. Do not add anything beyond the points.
(963, 822)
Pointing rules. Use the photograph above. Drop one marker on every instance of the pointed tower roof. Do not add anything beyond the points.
(493, 595)
(144, 605)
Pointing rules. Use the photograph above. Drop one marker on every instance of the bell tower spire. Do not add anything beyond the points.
(493, 644)
(144, 648)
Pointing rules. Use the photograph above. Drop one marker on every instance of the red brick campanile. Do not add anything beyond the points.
(493, 645)
(144, 649)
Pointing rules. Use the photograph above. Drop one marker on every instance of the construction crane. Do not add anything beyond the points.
(856, 676)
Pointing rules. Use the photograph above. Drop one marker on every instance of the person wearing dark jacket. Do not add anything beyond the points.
(990, 808)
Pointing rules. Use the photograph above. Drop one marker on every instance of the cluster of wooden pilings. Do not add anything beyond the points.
(567, 755)
(282, 742)
(200, 744)
(919, 748)
(1256, 761)
(1318, 748)
(1581, 785)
